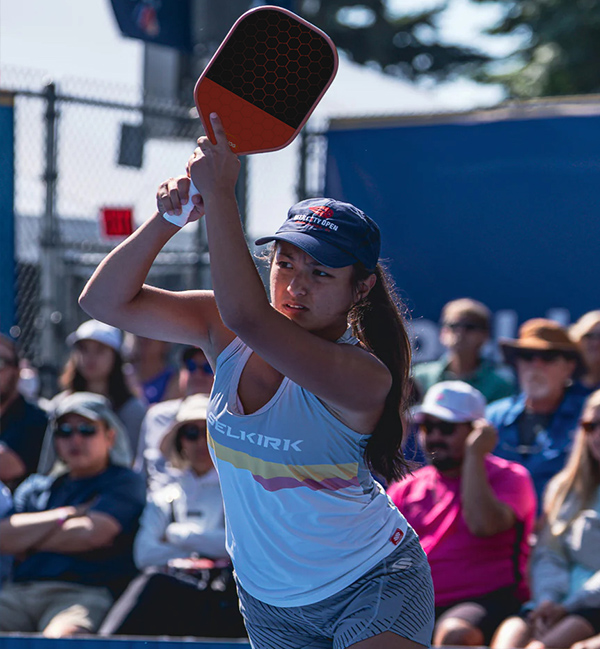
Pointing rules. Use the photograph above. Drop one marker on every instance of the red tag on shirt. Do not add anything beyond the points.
(397, 536)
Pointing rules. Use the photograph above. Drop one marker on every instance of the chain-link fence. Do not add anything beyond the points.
(81, 147)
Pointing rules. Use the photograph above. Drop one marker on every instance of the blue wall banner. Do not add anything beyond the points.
(7, 217)
(500, 205)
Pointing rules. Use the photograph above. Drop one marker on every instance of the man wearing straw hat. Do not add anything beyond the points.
(536, 427)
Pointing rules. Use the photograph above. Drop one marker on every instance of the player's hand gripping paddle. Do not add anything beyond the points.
(264, 81)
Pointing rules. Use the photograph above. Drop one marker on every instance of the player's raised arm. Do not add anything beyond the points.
(117, 294)
(283, 332)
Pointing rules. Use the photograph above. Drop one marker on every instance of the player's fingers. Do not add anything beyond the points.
(175, 199)
(163, 198)
(219, 131)
(183, 189)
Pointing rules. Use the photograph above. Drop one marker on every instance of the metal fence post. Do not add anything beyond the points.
(49, 255)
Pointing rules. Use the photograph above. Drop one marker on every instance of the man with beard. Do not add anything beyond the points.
(22, 424)
(473, 513)
(536, 427)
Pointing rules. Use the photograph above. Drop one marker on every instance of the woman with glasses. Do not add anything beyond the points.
(586, 334)
(72, 531)
(565, 568)
(181, 546)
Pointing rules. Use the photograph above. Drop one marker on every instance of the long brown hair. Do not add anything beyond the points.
(579, 478)
(119, 393)
(378, 322)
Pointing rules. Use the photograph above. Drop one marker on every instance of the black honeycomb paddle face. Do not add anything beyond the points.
(276, 63)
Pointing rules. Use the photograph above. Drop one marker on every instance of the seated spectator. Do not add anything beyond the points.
(153, 369)
(72, 532)
(96, 365)
(565, 567)
(22, 424)
(536, 427)
(465, 329)
(473, 513)
(195, 377)
(182, 526)
(586, 335)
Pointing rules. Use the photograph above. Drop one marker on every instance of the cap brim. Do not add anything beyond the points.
(445, 414)
(323, 252)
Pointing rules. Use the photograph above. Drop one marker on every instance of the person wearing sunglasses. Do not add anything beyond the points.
(72, 531)
(195, 377)
(586, 335)
(536, 427)
(181, 546)
(22, 423)
(564, 610)
(465, 329)
(473, 513)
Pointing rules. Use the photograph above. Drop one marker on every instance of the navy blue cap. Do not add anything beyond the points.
(336, 234)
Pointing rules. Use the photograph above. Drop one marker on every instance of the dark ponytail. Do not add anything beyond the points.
(378, 323)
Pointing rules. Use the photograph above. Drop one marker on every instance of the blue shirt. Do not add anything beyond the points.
(118, 492)
(548, 453)
(22, 429)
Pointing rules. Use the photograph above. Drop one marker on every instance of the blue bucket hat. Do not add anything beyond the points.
(336, 234)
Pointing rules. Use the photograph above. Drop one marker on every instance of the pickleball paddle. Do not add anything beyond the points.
(264, 81)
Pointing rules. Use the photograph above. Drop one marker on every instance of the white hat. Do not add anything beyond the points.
(454, 401)
(94, 330)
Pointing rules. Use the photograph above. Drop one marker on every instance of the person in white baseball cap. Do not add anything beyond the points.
(473, 513)
(98, 331)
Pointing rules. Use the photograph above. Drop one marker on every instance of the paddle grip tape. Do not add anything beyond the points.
(181, 219)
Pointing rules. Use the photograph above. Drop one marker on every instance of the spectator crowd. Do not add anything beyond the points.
(110, 504)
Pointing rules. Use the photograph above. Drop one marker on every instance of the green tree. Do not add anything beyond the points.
(401, 45)
(559, 52)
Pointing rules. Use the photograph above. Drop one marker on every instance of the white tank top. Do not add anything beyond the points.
(304, 516)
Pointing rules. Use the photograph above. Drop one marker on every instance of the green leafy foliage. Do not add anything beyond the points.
(401, 45)
(560, 50)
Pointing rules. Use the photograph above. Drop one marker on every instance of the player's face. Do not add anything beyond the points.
(316, 297)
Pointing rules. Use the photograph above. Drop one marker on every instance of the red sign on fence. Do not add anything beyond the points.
(116, 221)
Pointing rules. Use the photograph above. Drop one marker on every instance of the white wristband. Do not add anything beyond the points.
(181, 219)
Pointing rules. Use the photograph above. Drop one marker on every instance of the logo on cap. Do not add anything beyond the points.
(322, 211)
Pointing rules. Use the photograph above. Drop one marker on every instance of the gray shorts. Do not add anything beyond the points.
(396, 595)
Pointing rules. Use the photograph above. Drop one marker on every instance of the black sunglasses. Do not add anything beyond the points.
(192, 366)
(544, 355)
(590, 426)
(191, 432)
(64, 431)
(446, 428)
(467, 326)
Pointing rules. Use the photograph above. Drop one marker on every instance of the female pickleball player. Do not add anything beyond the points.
(306, 401)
